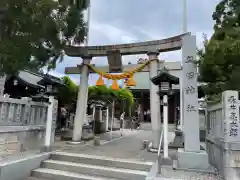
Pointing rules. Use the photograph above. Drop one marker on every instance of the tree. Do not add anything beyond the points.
(107, 95)
(219, 64)
(34, 33)
(67, 95)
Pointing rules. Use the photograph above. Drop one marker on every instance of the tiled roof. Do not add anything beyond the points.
(33, 79)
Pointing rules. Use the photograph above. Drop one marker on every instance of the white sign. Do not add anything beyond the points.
(164, 86)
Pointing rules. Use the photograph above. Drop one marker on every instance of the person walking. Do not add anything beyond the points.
(122, 123)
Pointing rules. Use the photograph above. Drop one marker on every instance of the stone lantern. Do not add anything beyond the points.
(165, 81)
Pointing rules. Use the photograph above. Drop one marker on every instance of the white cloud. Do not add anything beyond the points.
(114, 34)
(116, 21)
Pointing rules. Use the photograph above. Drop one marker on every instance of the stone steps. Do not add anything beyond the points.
(72, 166)
(102, 161)
(51, 174)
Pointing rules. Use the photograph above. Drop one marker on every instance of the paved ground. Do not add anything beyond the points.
(130, 146)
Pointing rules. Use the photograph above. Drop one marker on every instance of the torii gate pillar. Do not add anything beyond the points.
(154, 104)
(81, 101)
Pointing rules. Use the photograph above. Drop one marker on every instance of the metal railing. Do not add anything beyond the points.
(159, 152)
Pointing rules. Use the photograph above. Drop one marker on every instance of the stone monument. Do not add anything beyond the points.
(190, 157)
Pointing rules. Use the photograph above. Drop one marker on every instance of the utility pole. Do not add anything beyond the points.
(87, 41)
(185, 16)
(88, 21)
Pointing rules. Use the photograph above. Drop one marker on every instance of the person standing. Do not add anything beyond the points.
(149, 115)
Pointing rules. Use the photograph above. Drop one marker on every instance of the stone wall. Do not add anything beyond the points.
(22, 112)
(16, 139)
(225, 157)
(22, 125)
(223, 136)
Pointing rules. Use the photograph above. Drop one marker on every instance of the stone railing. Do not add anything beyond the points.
(15, 112)
(223, 135)
(23, 124)
(215, 120)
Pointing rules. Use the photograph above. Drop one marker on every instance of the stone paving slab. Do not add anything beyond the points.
(127, 146)
(104, 139)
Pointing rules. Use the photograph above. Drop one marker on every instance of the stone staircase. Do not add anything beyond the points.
(62, 166)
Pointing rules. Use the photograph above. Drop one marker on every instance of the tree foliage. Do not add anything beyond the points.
(34, 33)
(107, 95)
(67, 94)
(219, 60)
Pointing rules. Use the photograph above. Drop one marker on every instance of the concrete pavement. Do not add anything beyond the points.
(130, 147)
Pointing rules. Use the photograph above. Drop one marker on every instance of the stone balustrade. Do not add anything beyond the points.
(22, 124)
(21, 112)
(223, 136)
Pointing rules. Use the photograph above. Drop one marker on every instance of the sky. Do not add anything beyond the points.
(127, 21)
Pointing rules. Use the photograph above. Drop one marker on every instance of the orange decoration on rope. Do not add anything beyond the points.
(131, 82)
(126, 75)
(115, 85)
(100, 81)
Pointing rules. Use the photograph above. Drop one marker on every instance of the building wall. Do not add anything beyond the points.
(143, 83)
(142, 78)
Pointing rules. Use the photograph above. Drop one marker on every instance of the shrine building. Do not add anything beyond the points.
(142, 91)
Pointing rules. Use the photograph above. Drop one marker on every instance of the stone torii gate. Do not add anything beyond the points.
(152, 49)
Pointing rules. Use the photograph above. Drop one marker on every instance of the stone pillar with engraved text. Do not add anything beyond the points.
(190, 95)
(191, 157)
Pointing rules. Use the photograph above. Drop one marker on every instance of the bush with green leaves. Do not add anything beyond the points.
(108, 95)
